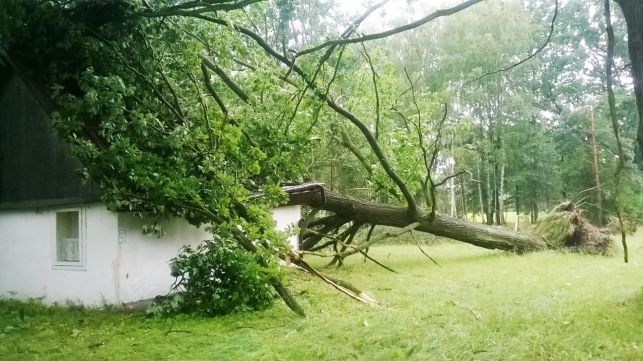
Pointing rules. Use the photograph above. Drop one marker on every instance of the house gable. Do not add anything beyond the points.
(36, 169)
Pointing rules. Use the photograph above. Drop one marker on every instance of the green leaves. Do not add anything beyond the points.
(217, 278)
(131, 103)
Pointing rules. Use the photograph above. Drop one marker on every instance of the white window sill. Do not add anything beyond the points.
(69, 267)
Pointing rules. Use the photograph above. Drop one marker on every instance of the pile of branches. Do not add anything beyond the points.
(566, 227)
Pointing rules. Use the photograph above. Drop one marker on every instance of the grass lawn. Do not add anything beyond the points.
(482, 305)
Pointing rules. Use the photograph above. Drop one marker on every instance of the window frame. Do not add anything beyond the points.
(81, 265)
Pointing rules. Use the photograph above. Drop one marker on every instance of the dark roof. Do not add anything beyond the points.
(36, 167)
(302, 188)
(298, 192)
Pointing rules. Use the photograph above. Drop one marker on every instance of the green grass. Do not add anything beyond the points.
(480, 304)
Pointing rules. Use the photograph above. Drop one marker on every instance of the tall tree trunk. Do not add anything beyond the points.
(501, 192)
(496, 195)
(517, 200)
(633, 13)
(596, 168)
(489, 198)
(453, 211)
(482, 212)
(534, 212)
(367, 212)
(464, 197)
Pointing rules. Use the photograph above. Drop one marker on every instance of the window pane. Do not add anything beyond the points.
(67, 236)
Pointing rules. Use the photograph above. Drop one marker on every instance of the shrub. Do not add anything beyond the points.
(217, 278)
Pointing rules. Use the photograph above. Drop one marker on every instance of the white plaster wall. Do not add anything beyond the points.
(144, 259)
(286, 219)
(27, 255)
(121, 264)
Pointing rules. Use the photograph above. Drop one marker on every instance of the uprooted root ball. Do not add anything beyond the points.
(566, 227)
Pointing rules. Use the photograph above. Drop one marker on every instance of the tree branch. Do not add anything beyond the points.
(424, 253)
(449, 177)
(348, 32)
(382, 237)
(224, 109)
(226, 79)
(348, 144)
(371, 258)
(198, 6)
(377, 93)
(551, 32)
(434, 156)
(341, 286)
(384, 34)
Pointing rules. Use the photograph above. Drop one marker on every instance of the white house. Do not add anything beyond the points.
(84, 253)
(57, 240)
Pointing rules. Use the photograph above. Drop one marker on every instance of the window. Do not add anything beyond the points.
(69, 239)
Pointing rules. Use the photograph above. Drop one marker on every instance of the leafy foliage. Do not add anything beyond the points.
(133, 105)
(216, 278)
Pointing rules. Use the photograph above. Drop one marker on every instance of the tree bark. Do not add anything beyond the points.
(463, 191)
(453, 211)
(534, 212)
(496, 193)
(482, 212)
(633, 13)
(597, 170)
(367, 212)
(490, 197)
(501, 191)
(517, 200)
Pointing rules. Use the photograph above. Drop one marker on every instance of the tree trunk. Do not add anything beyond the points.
(367, 212)
(464, 198)
(597, 170)
(633, 13)
(501, 191)
(453, 209)
(489, 198)
(496, 194)
(482, 212)
(534, 212)
(517, 200)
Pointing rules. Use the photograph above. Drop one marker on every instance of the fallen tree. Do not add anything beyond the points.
(564, 227)
(363, 212)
